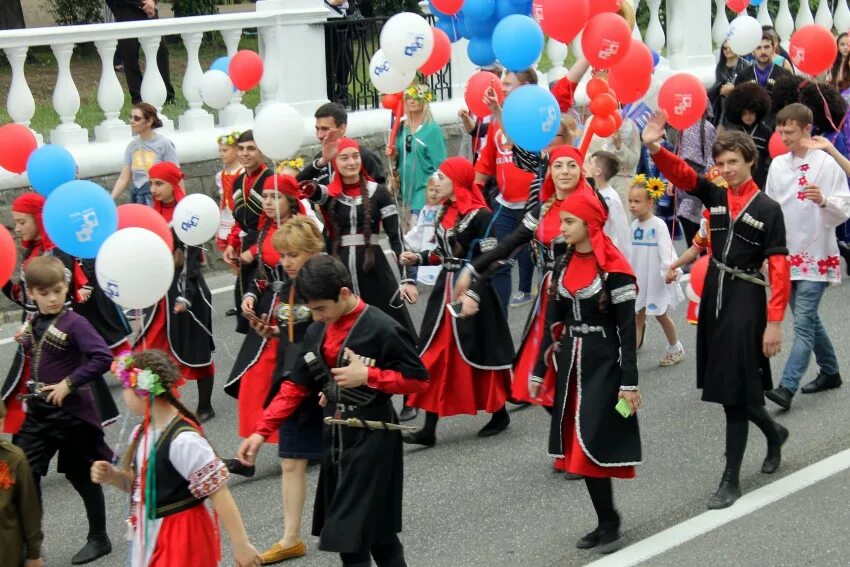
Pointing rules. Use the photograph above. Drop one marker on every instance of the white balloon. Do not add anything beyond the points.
(407, 41)
(216, 89)
(196, 219)
(279, 131)
(744, 34)
(386, 78)
(134, 267)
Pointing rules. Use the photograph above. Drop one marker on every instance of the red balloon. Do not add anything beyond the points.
(390, 101)
(602, 105)
(812, 49)
(631, 77)
(18, 142)
(698, 271)
(739, 6)
(142, 216)
(8, 255)
(561, 19)
(684, 98)
(601, 6)
(618, 119)
(245, 70)
(448, 7)
(605, 40)
(775, 146)
(596, 87)
(603, 126)
(475, 89)
(440, 55)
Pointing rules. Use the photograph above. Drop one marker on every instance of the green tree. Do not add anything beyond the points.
(75, 12)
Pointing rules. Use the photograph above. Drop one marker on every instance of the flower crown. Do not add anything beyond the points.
(229, 139)
(143, 381)
(420, 92)
(297, 163)
(654, 186)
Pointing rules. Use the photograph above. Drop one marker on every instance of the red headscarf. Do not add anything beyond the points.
(335, 187)
(548, 188)
(286, 185)
(33, 204)
(467, 197)
(587, 206)
(170, 173)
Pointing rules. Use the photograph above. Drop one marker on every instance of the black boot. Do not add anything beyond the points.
(426, 436)
(205, 410)
(498, 423)
(821, 383)
(736, 443)
(780, 396)
(607, 535)
(775, 435)
(96, 547)
(407, 413)
(97, 543)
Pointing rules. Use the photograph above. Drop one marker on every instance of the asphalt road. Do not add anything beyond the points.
(473, 502)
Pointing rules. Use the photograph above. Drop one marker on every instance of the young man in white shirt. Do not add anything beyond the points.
(812, 190)
(602, 167)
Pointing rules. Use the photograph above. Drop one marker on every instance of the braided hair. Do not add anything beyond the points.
(561, 266)
(368, 254)
(456, 248)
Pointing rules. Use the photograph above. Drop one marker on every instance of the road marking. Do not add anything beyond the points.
(8, 341)
(707, 521)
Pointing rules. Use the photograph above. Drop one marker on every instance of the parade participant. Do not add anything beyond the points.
(747, 106)
(62, 416)
(729, 66)
(591, 323)
(650, 255)
(739, 329)
(170, 470)
(247, 209)
(181, 322)
(251, 375)
(602, 167)
(20, 510)
(358, 505)
(355, 208)
(811, 189)
(224, 181)
(468, 353)
(147, 149)
(27, 214)
(765, 72)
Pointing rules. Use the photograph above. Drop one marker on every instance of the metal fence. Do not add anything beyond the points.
(349, 46)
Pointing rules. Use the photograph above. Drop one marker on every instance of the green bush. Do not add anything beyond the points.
(75, 12)
(183, 8)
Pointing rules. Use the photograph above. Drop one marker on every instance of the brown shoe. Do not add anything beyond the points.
(278, 553)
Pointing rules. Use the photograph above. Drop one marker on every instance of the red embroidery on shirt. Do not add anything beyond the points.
(801, 196)
(6, 478)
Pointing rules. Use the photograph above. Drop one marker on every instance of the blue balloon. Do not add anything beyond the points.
(531, 117)
(518, 42)
(505, 8)
(451, 27)
(479, 9)
(755, 2)
(78, 216)
(480, 51)
(437, 14)
(50, 166)
(462, 27)
(221, 64)
(480, 28)
(656, 58)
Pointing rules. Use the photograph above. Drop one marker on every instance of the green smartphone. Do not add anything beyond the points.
(623, 408)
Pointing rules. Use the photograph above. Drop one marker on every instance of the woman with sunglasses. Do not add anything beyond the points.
(146, 149)
(729, 66)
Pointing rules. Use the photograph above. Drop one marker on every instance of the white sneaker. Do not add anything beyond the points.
(672, 358)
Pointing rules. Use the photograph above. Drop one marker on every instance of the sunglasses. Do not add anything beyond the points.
(136, 118)
(408, 143)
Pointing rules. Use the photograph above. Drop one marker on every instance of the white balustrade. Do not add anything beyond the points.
(841, 19)
(654, 37)
(764, 15)
(20, 103)
(153, 88)
(784, 23)
(195, 118)
(235, 113)
(823, 17)
(721, 23)
(270, 82)
(66, 100)
(636, 30)
(804, 15)
(110, 96)
(676, 36)
(557, 52)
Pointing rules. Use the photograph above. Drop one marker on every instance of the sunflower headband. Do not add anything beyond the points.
(143, 381)
(297, 164)
(419, 92)
(229, 139)
(654, 186)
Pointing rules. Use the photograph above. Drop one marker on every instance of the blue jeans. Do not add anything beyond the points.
(505, 221)
(142, 195)
(809, 334)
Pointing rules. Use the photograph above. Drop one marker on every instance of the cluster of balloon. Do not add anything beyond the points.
(603, 105)
(684, 99)
(407, 43)
(242, 72)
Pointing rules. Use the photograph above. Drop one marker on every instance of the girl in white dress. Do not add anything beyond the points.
(651, 255)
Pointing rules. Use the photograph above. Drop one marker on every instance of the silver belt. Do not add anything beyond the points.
(353, 240)
(739, 273)
(585, 329)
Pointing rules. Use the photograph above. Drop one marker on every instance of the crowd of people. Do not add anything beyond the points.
(328, 339)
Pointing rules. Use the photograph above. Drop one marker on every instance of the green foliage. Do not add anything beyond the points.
(183, 8)
(75, 12)
(389, 7)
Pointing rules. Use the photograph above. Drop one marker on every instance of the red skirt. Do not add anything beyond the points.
(253, 389)
(156, 337)
(526, 359)
(455, 387)
(189, 538)
(15, 413)
(575, 460)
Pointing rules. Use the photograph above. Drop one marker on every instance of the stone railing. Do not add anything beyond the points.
(785, 23)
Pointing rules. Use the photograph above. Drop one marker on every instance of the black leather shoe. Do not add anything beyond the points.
(726, 495)
(420, 437)
(231, 312)
(774, 452)
(821, 383)
(408, 413)
(236, 467)
(95, 548)
(572, 476)
(589, 540)
(609, 538)
(204, 415)
(780, 396)
(498, 423)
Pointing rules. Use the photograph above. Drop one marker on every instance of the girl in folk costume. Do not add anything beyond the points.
(181, 322)
(27, 214)
(356, 208)
(591, 346)
(300, 434)
(224, 181)
(468, 354)
(651, 254)
(171, 469)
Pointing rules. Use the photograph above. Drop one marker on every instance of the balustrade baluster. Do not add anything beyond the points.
(784, 23)
(19, 103)
(66, 100)
(235, 112)
(271, 68)
(841, 20)
(557, 52)
(195, 118)
(153, 89)
(804, 15)
(636, 30)
(823, 17)
(721, 23)
(110, 96)
(655, 32)
(764, 15)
